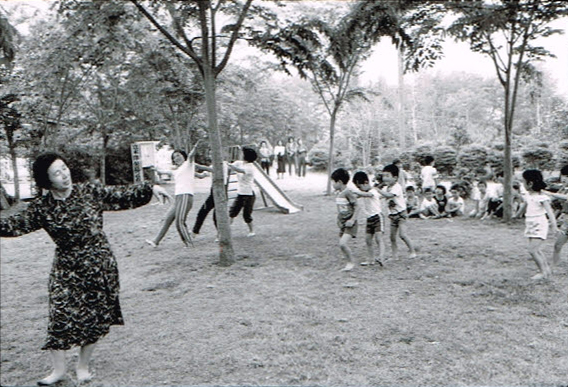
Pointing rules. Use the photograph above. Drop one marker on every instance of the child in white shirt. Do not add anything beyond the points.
(372, 207)
(397, 209)
(455, 206)
(429, 174)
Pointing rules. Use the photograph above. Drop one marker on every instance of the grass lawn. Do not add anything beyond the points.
(465, 312)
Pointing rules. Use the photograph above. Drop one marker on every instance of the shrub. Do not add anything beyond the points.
(472, 160)
(118, 169)
(538, 156)
(318, 157)
(421, 151)
(79, 160)
(562, 158)
(495, 157)
(445, 159)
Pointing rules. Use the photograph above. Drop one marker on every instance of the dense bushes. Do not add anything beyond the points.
(82, 160)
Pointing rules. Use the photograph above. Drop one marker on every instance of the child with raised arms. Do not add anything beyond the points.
(397, 210)
(372, 207)
(562, 194)
(537, 206)
(347, 213)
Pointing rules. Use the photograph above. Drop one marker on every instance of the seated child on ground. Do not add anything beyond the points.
(455, 206)
(428, 207)
(442, 201)
(412, 203)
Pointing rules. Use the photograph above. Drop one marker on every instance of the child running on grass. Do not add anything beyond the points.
(347, 213)
(537, 208)
(372, 207)
(397, 210)
(562, 194)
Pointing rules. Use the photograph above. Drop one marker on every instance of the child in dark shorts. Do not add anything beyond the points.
(347, 213)
(397, 210)
(372, 208)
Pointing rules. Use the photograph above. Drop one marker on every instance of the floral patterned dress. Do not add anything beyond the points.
(83, 284)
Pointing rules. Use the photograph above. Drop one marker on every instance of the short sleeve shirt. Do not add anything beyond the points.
(535, 204)
(398, 201)
(245, 179)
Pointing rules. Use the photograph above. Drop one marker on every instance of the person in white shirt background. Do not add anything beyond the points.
(429, 174)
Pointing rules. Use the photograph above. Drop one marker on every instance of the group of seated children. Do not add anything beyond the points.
(435, 203)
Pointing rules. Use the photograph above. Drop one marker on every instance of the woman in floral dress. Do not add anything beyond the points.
(83, 284)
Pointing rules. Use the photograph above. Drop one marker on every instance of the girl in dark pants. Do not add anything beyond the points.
(209, 203)
(245, 192)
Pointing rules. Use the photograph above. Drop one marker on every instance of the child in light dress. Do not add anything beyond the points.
(538, 207)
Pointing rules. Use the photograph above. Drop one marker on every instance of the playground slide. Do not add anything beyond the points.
(274, 193)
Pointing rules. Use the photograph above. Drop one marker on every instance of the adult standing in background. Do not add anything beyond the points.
(265, 156)
(301, 154)
(84, 283)
(280, 152)
(291, 148)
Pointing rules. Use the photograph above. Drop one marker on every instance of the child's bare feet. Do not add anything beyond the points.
(83, 375)
(539, 276)
(53, 378)
(348, 267)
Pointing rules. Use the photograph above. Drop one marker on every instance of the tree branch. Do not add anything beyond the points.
(187, 50)
(234, 37)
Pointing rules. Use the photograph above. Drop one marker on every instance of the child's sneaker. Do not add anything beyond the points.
(366, 263)
(151, 243)
(412, 256)
(348, 267)
(251, 234)
(379, 261)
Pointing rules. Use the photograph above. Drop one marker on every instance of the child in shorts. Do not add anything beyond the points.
(372, 207)
(347, 213)
(562, 195)
(397, 210)
(537, 207)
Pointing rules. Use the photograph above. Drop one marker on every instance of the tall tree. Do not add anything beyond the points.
(506, 32)
(204, 45)
(328, 54)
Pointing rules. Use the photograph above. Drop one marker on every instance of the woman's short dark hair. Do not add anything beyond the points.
(181, 152)
(40, 167)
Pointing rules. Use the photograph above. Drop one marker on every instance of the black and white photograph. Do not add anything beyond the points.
(283, 193)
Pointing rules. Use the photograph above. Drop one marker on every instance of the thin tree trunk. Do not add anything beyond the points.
(226, 253)
(331, 159)
(401, 120)
(16, 173)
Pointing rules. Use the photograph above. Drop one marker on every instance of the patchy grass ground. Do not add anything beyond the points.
(465, 312)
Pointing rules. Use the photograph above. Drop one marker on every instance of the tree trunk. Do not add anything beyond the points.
(331, 158)
(507, 160)
(103, 158)
(14, 158)
(401, 120)
(226, 253)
